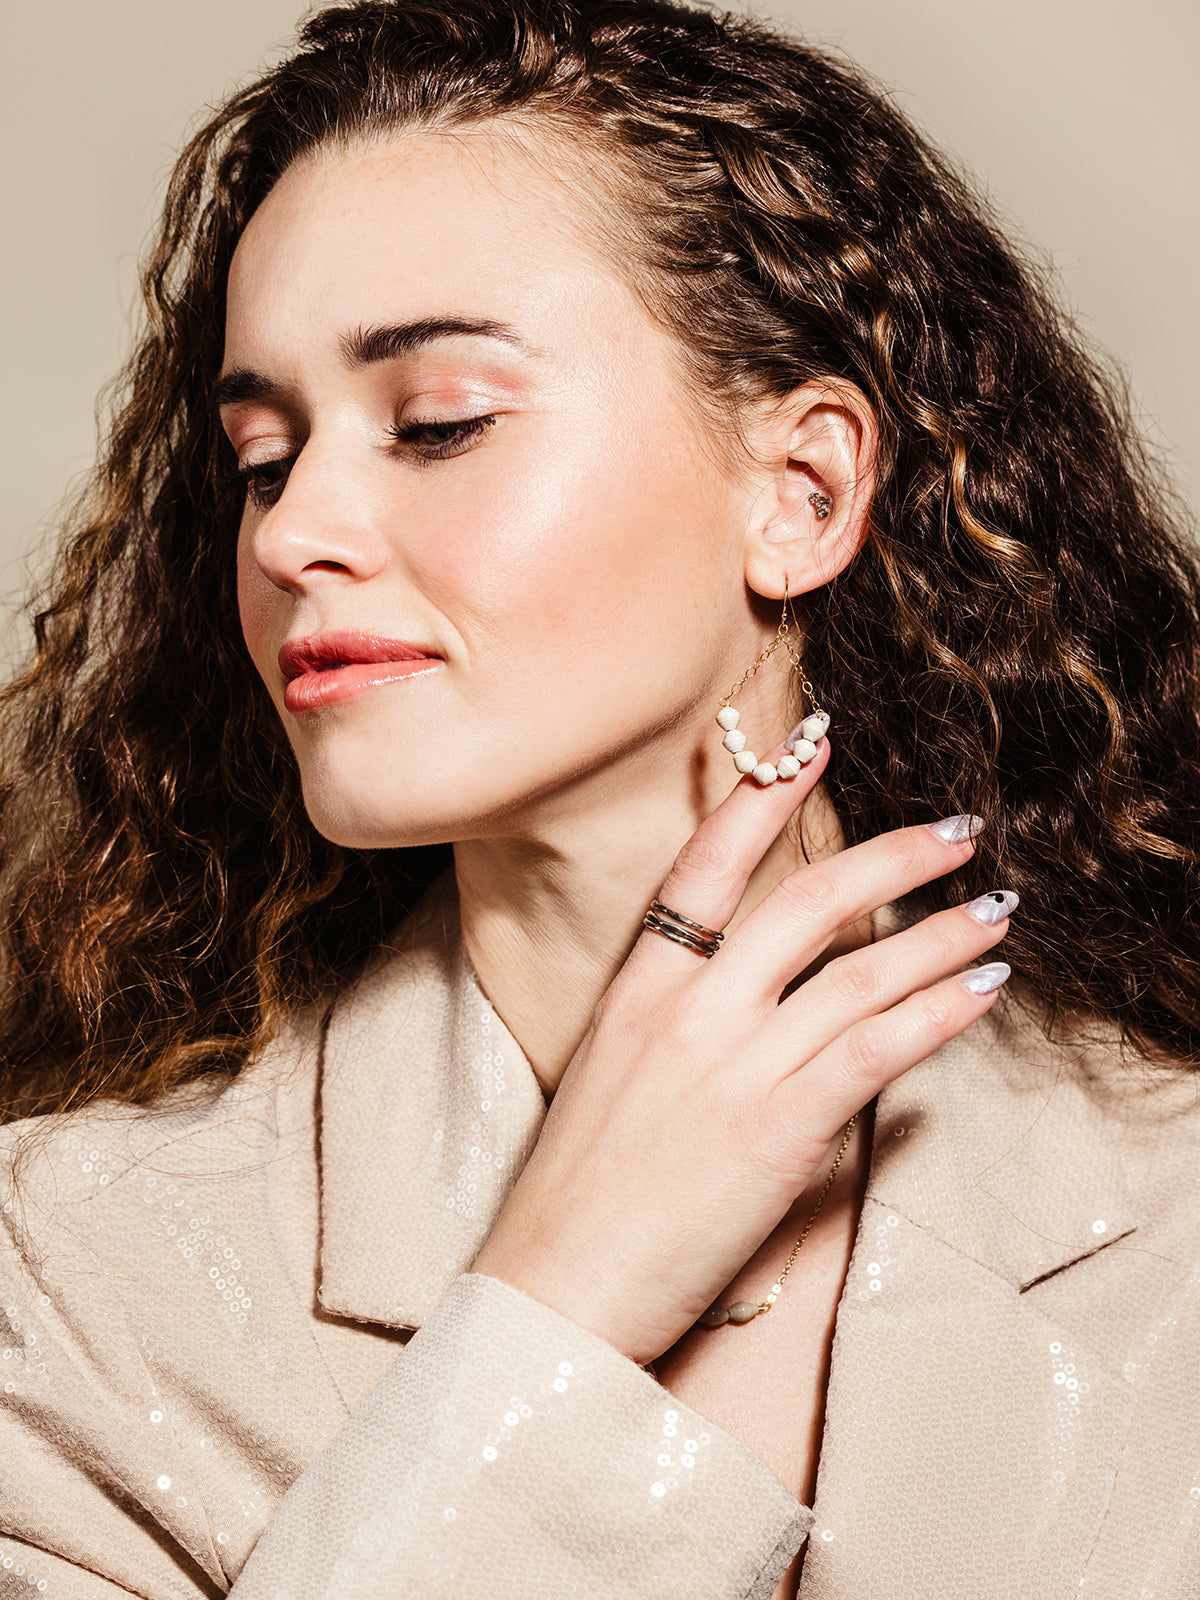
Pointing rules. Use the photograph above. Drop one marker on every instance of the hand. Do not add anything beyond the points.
(698, 1107)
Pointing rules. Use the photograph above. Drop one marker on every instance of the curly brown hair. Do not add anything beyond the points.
(1019, 637)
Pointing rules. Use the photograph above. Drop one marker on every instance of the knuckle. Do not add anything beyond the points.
(868, 1053)
(810, 893)
(685, 1026)
(939, 1011)
(905, 857)
(702, 857)
(854, 980)
(947, 945)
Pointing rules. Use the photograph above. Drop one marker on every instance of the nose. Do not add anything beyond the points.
(322, 525)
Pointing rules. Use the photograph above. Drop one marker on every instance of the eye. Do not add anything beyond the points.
(437, 441)
(262, 483)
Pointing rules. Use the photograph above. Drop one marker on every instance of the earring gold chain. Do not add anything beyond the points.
(782, 637)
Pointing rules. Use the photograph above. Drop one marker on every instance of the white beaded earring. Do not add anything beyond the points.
(801, 746)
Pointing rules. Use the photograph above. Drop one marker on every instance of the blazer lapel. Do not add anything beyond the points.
(429, 1110)
(995, 1146)
(958, 1412)
(1150, 1541)
(971, 1443)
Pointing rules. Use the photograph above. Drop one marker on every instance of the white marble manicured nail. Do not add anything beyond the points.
(982, 980)
(956, 830)
(994, 907)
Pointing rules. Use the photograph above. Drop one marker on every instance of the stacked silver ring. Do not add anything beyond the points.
(682, 930)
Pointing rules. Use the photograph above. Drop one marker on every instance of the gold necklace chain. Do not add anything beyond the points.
(745, 1310)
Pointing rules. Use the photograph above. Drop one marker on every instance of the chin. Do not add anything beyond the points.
(371, 823)
(371, 795)
(394, 811)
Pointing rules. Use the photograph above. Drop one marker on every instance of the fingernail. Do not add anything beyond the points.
(993, 908)
(956, 830)
(797, 733)
(982, 980)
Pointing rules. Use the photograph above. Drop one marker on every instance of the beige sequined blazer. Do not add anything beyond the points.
(212, 1383)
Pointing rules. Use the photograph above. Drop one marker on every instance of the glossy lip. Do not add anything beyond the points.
(328, 668)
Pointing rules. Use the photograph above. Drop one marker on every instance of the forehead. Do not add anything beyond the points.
(417, 224)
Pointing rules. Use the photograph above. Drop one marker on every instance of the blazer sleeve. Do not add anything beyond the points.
(509, 1451)
(27, 1573)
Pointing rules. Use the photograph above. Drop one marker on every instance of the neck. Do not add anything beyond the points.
(550, 913)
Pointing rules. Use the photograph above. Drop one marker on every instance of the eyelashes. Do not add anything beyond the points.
(437, 441)
(261, 484)
(426, 442)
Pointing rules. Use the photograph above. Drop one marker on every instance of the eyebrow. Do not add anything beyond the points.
(367, 347)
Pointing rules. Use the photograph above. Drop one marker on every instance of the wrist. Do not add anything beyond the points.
(600, 1314)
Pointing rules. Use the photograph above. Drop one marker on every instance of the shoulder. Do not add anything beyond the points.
(154, 1331)
(67, 1181)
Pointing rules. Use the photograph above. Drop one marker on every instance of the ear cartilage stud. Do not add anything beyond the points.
(821, 503)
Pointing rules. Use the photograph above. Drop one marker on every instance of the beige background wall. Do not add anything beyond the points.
(1080, 118)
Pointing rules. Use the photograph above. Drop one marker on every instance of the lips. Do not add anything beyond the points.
(332, 667)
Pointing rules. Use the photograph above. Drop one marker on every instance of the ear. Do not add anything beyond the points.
(817, 450)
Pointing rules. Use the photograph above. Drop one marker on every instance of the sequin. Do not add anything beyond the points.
(441, 1403)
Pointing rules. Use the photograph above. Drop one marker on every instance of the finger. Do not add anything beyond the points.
(854, 987)
(795, 922)
(817, 1099)
(712, 870)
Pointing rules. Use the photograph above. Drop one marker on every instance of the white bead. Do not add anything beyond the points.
(728, 718)
(765, 773)
(804, 750)
(788, 767)
(734, 741)
(813, 728)
(745, 761)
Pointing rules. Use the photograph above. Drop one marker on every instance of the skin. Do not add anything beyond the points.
(583, 567)
(594, 570)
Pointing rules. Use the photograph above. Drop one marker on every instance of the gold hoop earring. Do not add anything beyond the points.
(801, 745)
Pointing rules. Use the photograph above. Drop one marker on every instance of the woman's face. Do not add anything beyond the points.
(490, 562)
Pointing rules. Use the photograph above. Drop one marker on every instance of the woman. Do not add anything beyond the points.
(557, 374)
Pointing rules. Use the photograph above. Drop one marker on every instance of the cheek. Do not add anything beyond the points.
(570, 551)
(257, 600)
